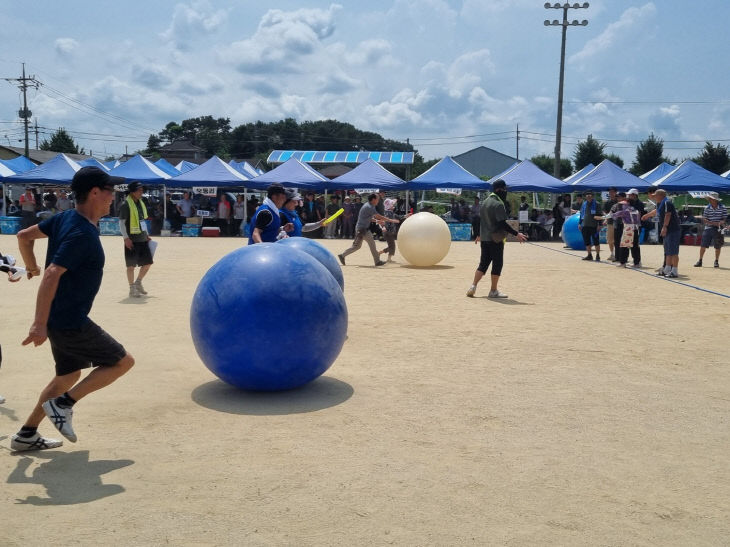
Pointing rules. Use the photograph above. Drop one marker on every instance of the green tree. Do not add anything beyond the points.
(153, 144)
(547, 164)
(589, 151)
(714, 158)
(61, 141)
(615, 159)
(649, 154)
(171, 132)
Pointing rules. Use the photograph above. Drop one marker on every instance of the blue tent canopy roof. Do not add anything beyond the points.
(689, 176)
(21, 164)
(447, 174)
(291, 173)
(214, 172)
(369, 174)
(658, 172)
(528, 177)
(167, 167)
(318, 156)
(185, 166)
(93, 162)
(138, 168)
(575, 176)
(608, 174)
(246, 168)
(59, 170)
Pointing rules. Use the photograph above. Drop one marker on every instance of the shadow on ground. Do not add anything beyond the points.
(324, 392)
(69, 478)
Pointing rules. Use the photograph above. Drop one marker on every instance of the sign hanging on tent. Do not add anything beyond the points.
(205, 190)
(699, 193)
(454, 191)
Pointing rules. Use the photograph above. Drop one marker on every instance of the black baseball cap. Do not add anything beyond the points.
(134, 186)
(90, 177)
(275, 189)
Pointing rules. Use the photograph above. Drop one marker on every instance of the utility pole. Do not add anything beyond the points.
(565, 24)
(24, 83)
(36, 133)
(518, 141)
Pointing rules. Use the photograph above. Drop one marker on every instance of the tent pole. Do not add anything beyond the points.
(5, 202)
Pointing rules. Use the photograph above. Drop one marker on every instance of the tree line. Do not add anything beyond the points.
(255, 140)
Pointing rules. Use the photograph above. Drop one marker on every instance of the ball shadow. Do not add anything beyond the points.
(436, 267)
(324, 392)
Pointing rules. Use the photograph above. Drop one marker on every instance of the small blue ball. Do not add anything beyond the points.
(318, 251)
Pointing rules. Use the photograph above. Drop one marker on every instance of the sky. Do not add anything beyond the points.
(447, 75)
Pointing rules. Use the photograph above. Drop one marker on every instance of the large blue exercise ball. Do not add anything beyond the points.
(319, 252)
(572, 236)
(267, 317)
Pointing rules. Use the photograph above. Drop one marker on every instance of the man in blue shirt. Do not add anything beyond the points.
(670, 230)
(73, 271)
(266, 221)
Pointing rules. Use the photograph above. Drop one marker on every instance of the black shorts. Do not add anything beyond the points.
(90, 345)
(138, 255)
(590, 235)
(492, 253)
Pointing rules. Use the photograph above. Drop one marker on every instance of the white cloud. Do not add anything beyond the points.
(371, 53)
(616, 34)
(282, 41)
(191, 21)
(65, 46)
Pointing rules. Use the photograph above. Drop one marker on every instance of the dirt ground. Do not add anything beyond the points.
(592, 407)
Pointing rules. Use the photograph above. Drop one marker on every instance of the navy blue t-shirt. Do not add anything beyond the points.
(73, 242)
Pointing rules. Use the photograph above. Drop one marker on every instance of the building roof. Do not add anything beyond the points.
(180, 145)
(333, 171)
(484, 162)
(36, 156)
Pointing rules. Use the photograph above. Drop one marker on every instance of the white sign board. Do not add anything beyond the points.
(203, 213)
(523, 217)
(454, 191)
(366, 191)
(205, 190)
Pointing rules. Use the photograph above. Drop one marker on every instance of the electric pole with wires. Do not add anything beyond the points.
(24, 82)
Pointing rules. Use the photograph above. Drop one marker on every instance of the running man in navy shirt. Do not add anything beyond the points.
(73, 271)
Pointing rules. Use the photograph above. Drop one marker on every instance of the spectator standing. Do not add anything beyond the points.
(348, 218)
(331, 229)
(610, 235)
(289, 213)
(713, 217)
(670, 230)
(137, 253)
(28, 208)
(239, 210)
(224, 214)
(588, 225)
(185, 206)
(64, 203)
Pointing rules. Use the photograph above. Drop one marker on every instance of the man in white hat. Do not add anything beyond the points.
(713, 218)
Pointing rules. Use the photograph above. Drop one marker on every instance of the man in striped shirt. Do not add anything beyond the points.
(713, 218)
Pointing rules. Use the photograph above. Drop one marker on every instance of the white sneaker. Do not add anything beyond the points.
(496, 294)
(140, 288)
(61, 418)
(471, 291)
(36, 442)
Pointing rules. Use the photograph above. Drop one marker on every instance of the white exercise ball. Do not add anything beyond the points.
(424, 239)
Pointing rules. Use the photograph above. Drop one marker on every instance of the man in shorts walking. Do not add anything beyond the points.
(136, 239)
(589, 224)
(73, 271)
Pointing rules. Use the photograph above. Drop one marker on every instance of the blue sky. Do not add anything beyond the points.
(448, 75)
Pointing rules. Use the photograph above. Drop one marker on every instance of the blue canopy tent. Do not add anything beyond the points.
(291, 173)
(658, 172)
(59, 170)
(138, 168)
(167, 167)
(726, 174)
(528, 177)
(369, 174)
(214, 172)
(691, 177)
(5, 172)
(93, 162)
(608, 174)
(245, 168)
(447, 174)
(21, 164)
(185, 166)
(575, 176)
(112, 164)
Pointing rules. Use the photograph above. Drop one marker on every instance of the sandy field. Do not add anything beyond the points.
(592, 407)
